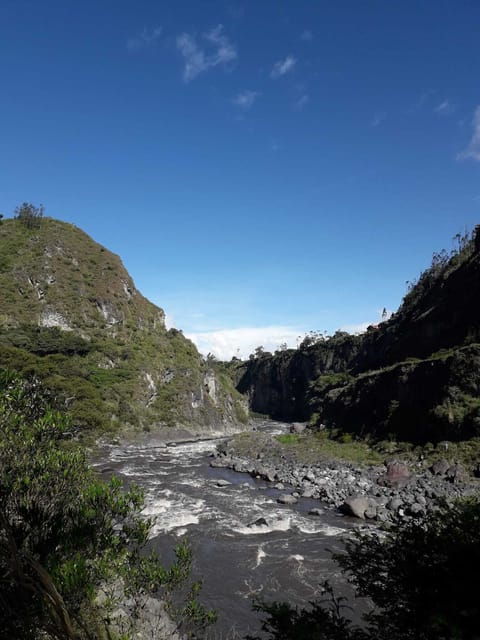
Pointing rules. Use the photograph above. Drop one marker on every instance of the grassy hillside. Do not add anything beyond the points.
(71, 314)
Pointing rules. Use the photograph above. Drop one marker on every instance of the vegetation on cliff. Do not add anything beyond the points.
(72, 316)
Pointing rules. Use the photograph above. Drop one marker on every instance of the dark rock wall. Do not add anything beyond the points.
(415, 376)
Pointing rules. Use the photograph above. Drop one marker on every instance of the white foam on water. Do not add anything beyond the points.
(156, 507)
(180, 520)
(172, 510)
(260, 556)
(296, 557)
(255, 529)
(191, 482)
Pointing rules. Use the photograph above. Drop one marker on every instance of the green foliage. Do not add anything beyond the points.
(113, 344)
(29, 215)
(420, 577)
(310, 447)
(64, 534)
(442, 264)
(322, 620)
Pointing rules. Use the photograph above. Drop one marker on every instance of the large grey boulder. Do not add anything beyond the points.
(286, 498)
(355, 506)
(440, 467)
(297, 427)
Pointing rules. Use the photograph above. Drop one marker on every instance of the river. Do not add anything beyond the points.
(284, 557)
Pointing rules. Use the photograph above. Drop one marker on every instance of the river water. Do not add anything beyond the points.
(285, 559)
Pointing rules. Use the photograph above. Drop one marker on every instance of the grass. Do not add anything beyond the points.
(310, 447)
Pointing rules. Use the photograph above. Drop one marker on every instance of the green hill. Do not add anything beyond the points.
(71, 314)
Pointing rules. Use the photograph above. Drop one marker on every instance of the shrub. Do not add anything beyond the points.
(64, 534)
(420, 577)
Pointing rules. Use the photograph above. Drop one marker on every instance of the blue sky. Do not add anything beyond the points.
(263, 168)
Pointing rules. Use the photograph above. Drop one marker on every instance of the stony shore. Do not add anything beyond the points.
(379, 493)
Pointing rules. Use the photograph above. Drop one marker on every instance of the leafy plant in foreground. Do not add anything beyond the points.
(66, 536)
(420, 576)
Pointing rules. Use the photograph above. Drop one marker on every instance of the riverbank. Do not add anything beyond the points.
(397, 487)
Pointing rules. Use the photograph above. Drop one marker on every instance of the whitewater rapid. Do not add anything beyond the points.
(245, 544)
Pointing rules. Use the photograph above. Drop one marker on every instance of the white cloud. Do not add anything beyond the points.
(306, 36)
(245, 99)
(302, 102)
(226, 343)
(282, 67)
(198, 60)
(361, 327)
(445, 108)
(378, 118)
(473, 150)
(146, 38)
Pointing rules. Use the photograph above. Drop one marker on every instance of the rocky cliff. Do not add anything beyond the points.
(71, 314)
(415, 377)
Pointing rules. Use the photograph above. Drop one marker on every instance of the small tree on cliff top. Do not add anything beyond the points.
(29, 215)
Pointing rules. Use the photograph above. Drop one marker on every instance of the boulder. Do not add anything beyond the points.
(316, 512)
(222, 483)
(259, 522)
(457, 474)
(355, 506)
(297, 427)
(416, 509)
(394, 504)
(397, 475)
(440, 467)
(286, 498)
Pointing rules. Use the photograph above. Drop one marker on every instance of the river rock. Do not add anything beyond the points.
(416, 509)
(286, 498)
(297, 427)
(440, 467)
(316, 512)
(355, 506)
(457, 474)
(259, 522)
(394, 504)
(223, 483)
(220, 462)
(397, 475)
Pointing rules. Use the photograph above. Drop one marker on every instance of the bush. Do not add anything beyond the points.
(420, 577)
(65, 534)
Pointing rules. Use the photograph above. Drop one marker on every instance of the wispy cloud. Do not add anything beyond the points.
(301, 103)
(472, 152)
(245, 99)
(198, 60)
(226, 343)
(445, 108)
(281, 67)
(420, 103)
(378, 118)
(361, 327)
(146, 38)
(307, 35)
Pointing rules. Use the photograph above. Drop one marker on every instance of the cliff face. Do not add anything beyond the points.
(279, 385)
(414, 377)
(72, 315)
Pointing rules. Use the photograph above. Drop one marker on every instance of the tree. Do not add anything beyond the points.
(420, 577)
(65, 535)
(29, 215)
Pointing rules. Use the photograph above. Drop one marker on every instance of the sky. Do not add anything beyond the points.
(263, 168)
